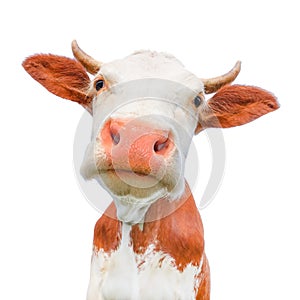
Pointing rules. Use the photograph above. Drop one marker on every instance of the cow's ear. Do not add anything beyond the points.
(62, 76)
(235, 105)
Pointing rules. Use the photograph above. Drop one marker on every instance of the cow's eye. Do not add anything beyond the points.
(197, 101)
(99, 84)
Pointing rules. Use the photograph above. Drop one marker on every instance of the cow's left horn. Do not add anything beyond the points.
(213, 84)
(90, 64)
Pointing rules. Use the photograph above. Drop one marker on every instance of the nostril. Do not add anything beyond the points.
(115, 137)
(159, 146)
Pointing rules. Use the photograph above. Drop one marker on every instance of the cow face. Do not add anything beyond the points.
(145, 112)
(146, 109)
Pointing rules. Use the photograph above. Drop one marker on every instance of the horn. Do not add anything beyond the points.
(90, 64)
(213, 84)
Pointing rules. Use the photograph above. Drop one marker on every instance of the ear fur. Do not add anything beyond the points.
(235, 105)
(62, 76)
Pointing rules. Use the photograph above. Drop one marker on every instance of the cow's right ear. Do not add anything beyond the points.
(62, 76)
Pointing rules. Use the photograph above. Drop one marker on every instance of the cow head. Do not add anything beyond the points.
(146, 109)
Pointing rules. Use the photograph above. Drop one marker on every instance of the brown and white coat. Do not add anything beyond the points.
(149, 243)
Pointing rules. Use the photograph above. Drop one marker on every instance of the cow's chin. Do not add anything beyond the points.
(133, 194)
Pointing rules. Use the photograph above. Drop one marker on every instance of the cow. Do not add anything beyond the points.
(146, 107)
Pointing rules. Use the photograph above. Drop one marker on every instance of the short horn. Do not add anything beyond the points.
(90, 64)
(213, 84)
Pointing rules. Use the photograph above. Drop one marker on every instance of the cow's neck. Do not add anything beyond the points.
(179, 232)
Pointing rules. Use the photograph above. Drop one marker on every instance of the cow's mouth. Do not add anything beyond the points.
(129, 172)
(132, 178)
(140, 173)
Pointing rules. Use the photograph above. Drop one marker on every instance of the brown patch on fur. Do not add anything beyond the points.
(204, 279)
(236, 105)
(62, 76)
(107, 232)
(179, 235)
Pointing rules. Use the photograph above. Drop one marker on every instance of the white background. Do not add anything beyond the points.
(252, 226)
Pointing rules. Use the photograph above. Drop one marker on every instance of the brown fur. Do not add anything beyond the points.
(184, 225)
(107, 232)
(180, 234)
(235, 105)
(204, 278)
(62, 76)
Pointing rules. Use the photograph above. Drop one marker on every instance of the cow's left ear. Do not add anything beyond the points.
(62, 76)
(235, 105)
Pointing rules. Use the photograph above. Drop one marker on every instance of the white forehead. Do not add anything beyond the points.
(149, 64)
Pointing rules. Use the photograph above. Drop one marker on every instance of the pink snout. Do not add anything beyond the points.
(136, 146)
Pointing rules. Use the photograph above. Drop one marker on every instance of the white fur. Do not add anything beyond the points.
(153, 275)
(149, 64)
